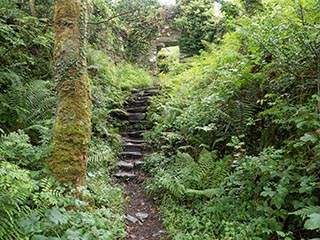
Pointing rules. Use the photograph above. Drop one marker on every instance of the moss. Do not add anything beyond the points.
(71, 130)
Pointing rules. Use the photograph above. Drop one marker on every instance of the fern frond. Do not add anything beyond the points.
(304, 212)
(209, 193)
(100, 158)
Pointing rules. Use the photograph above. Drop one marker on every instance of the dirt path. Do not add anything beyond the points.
(143, 220)
(151, 226)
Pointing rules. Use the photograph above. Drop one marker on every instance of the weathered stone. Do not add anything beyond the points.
(125, 165)
(141, 109)
(142, 216)
(159, 233)
(144, 123)
(133, 147)
(133, 134)
(125, 175)
(131, 155)
(136, 116)
(138, 103)
(132, 219)
(129, 140)
(151, 92)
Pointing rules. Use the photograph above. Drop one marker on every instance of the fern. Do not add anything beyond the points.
(212, 192)
(15, 189)
(99, 159)
(28, 104)
(307, 211)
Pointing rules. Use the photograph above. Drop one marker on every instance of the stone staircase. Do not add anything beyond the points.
(135, 125)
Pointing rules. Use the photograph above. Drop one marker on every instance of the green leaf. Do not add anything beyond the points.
(39, 237)
(313, 223)
(73, 234)
(55, 216)
(267, 192)
(309, 137)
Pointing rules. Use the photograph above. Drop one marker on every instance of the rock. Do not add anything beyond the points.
(144, 123)
(125, 165)
(134, 147)
(132, 219)
(125, 175)
(136, 116)
(138, 134)
(131, 155)
(158, 234)
(137, 141)
(136, 109)
(142, 216)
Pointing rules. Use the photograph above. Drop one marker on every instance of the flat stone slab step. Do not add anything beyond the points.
(126, 175)
(128, 166)
(131, 155)
(143, 122)
(133, 134)
(137, 103)
(125, 165)
(141, 109)
(136, 116)
(134, 147)
(142, 98)
(146, 91)
(130, 140)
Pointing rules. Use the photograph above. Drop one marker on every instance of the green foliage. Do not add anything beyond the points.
(41, 209)
(25, 55)
(15, 186)
(237, 130)
(58, 223)
(197, 22)
(124, 29)
(16, 148)
(167, 57)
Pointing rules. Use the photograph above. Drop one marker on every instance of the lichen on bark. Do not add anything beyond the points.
(71, 130)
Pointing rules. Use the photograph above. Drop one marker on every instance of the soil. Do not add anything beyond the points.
(143, 229)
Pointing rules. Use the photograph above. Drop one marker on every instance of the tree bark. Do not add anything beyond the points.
(32, 8)
(71, 130)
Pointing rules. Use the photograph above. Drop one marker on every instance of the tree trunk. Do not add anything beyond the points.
(32, 8)
(71, 130)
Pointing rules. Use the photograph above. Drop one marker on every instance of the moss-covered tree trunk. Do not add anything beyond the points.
(71, 130)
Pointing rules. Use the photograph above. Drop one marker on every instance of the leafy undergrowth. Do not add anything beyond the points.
(237, 132)
(34, 206)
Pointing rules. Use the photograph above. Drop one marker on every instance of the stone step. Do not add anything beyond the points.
(130, 165)
(138, 134)
(151, 92)
(126, 175)
(125, 165)
(136, 109)
(137, 103)
(136, 116)
(134, 147)
(122, 116)
(130, 140)
(131, 155)
(146, 123)
(146, 89)
(140, 98)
